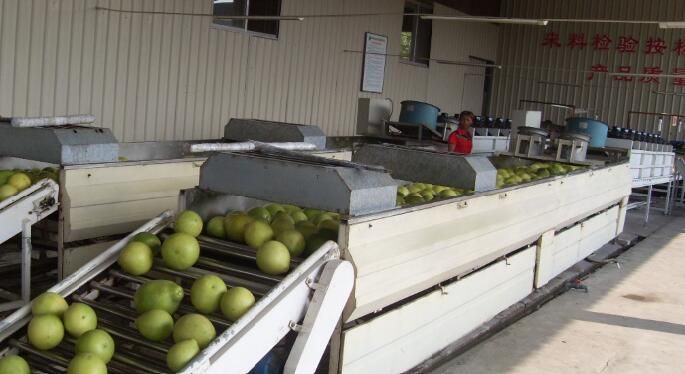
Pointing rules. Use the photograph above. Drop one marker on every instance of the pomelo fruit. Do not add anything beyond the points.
(312, 213)
(274, 208)
(281, 224)
(150, 239)
(189, 222)
(136, 258)
(329, 225)
(314, 242)
(236, 302)
(448, 193)
(97, 342)
(180, 251)
(399, 201)
(20, 181)
(180, 354)
(45, 332)
(283, 216)
(79, 319)
(403, 191)
(86, 363)
(306, 228)
(260, 213)
(257, 233)
(14, 364)
(414, 198)
(293, 240)
(49, 303)
(215, 227)
(427, 195)
(234, 226)
(323, 217)
(205, 295)
(298, 216)
(5, 175)
(194, 326)
(413, 188)
(290, 209)
(7, 191)
(158, 294)
(155, 324)
(273, 258)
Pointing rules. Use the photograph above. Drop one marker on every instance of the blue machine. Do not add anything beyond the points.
(419, 113)
(596, 130)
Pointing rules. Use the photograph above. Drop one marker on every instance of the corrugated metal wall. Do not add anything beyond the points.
(532, 71)
(164, 77)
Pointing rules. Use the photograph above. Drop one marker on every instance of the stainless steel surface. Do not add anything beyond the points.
(240, 129)
(306, 181)
(416, 165)
(59, 145)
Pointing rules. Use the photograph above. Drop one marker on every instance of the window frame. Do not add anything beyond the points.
(420, 5)
(244, 30)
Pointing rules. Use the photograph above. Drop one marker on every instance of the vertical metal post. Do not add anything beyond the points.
(26, 250)
(667, 207)
(649, 204)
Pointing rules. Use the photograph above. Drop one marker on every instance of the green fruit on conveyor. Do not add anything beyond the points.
(299, 216)
(235, 224)
(136, 258)
(280, 224)
(150, 239)
(260, 213)
(236, 302)
(155, 325)
(196, 327)
(49, 303)
(273, 258)
(205, 294)
(314, 242)
(45, 332)
(7, 191)
(215, 227)
(274, 208)
(158, 294)
(189, 222)
(257, 233)
(97, 342)
(86, 363)
(20, 181)
(79, 318)
(180, 251)
(181, 353)
(293, 240)
(306, 228)
(14, 364)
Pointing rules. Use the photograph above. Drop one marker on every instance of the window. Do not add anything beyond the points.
(415, 40)
(248, 8)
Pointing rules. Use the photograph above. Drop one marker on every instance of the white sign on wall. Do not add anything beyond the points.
(373, 68)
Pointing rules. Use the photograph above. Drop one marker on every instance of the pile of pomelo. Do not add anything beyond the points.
(52, 318)
(278, 232)
(538, 170)
(418, 193)
(14, 181)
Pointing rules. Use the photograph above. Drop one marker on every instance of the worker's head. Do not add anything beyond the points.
(465, 120)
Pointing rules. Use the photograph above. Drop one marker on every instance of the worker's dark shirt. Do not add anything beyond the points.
(462, 141)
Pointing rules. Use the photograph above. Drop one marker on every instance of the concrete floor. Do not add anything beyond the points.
(631, 321)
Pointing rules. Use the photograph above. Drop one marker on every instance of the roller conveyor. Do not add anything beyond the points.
(283, 304)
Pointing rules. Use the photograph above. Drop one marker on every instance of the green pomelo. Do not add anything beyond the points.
(180, 251)
(205, 295)
(234, 226)
(14, 364)
(155, 324)
(189, 222)
(293, 240)
(97, 342)
(49, 303)
(136, 258)
(257, 233)
(194, 326)
(45, 332)
(273, 258)
(236, 302)
(86, 363)
(150, 239)
(158, 294)
(215, 227)
(260, 213)
(180, 354)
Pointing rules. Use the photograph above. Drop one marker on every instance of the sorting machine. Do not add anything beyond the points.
(109, 188)
(425, 275)
(299, 310)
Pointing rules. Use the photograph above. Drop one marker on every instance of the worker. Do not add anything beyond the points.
(461, 140)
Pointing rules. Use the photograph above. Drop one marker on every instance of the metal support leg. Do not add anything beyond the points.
(649, 204)
(26, 250)
(667, 206)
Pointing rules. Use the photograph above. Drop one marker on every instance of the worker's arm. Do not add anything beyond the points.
(451, 146)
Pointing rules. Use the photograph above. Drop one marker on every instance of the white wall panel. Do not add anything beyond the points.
(164, 77)
(526, 63)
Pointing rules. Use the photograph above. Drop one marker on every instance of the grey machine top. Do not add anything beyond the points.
(303, 180)
(419, 165)
(266, 131)
(63, 145)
